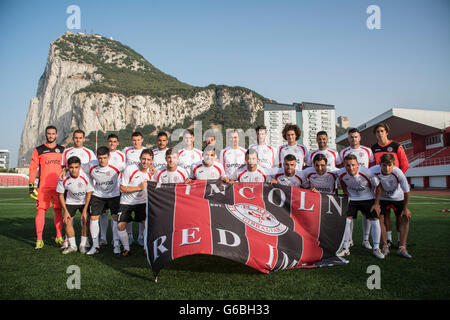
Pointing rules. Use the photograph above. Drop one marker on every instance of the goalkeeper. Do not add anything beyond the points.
(47, 158)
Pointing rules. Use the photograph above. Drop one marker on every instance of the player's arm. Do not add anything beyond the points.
(128, 189)
(34, 165)
(66, 215)
(402, 159)
(405, 211)
(376, 205)
(84, 215)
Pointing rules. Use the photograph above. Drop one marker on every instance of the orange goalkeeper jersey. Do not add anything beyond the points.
(48, 161)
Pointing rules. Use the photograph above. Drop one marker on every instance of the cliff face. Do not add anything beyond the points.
(93, 83)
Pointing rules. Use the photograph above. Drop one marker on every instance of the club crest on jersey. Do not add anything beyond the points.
(389, 149)
(257, 218)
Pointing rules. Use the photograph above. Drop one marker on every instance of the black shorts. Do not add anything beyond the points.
(98, 205)
(125, 211)
(396, 205)
(72, 208)
(364, 206)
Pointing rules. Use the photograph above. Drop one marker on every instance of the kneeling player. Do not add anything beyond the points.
(320, 177)
(288, 175)
(133, 198)
(359, 183)
(79, 191)
(395, 193)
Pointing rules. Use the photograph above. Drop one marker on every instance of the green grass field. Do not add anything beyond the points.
(29, 274)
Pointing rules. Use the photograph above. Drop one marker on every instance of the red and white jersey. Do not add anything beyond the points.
(360, 186)
(325, 183)
(200, 171)
(333, 158)
(159, 158)
(267, 157)
(293, 181)
(299, 151)
(394, 185)
(231, 159)
(117, 159)
(86, 155)
(244, 175)
(188, 157)
(133, 177)
(105, 179)
(132, 155)
(178, 176)
(76, 188)
(363, 154)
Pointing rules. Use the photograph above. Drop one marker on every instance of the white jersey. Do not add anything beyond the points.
(394, 185)
(294, 181)
(105, 179)
(299, 151)
(360, 186)
(76, 188)
(133, 177)
(333, 158)
(231, 159)
(244, 175)
(117, 159)
(178, 176)
(187, 157)
(200, 171)
(159, 158)
(363, 154)
(86, 155)
(132, 155)
(325, 183)
(266, 155)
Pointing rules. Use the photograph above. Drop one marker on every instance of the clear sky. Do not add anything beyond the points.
(290, 51)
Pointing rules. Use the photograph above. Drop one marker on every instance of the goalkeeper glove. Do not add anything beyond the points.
(32, 191)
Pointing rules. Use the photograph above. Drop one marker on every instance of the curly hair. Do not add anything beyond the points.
(294, 127)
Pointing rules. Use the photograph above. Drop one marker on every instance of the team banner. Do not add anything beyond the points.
(269, 228)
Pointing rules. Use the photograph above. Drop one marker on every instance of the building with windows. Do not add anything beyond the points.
(310, 117)
(425, 136)
(4, 159)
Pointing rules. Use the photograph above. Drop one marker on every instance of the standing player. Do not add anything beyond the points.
(172, 173)
(232, 157)
(133, 198)
(288, 175)
(365, 159)
(86, 155)
(320, 178)
(266, 154)
(116, 159)
(106, 195)
(291, 133)
(208, 168)
(48, 159)
(78, 150)
(132, 156)
(383, 146)
(159, 153)
(79, 190)
(333, 159)
(359, 183)
(188, 155)
(395, 193)
(133, 153)
(251, 172)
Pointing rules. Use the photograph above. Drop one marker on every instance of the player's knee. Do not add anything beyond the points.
(121, 226)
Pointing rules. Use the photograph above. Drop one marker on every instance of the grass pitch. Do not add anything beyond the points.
(26, 273)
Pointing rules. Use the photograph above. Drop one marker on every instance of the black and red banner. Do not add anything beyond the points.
(269, 228)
